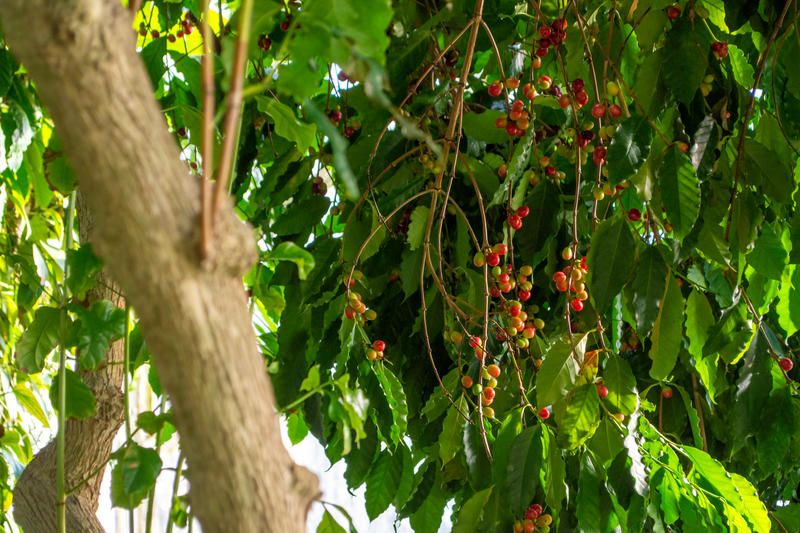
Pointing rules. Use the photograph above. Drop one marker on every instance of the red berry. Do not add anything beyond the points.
(501, 122)
(512, 83)
(634, 214)
(349, 312)
(536, 509)
(181, 132)
(544, 413)
(560, 25)
(673, 12)
(492, 259)
(578, 85)
(598, 110)
(155, 34)
(171, 38)
(466, 382)
(615, 110)
(285, 24)
(545, 32)
(576, 305)
(524, 211)
(786, 364)
(335, 116)
(602, 390)
(512, 129)
(349, 132)
(582, 98)
(515, 222)
(564, 101)
(559, 277)
(378, 346)
(599, 155)
(550, 170)
(489, 393)
(720, 49)
(524, 295)
(495, 89)
(495, 292)
(475, 341)
(666, 393)
(502, 249)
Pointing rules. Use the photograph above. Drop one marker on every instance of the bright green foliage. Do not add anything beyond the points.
(691, 245)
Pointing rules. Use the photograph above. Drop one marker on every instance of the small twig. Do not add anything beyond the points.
(208, 136)
(762, 62)
(234, 111)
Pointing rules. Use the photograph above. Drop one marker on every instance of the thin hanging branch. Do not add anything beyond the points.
(61, 490)
(233, 115)
(208, 134)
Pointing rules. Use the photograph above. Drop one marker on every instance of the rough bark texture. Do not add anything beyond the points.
(146, 207)
(88, 442)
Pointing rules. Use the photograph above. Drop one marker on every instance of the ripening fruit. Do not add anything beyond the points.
(602, 390)
(634, 214)
(489, 393)
(598, 110)
(488, 412)
(523, 212)
(493, 259)
(666, 393)
(615, 110)
(544, 521)
(612, 89)
(786, 364)
(495, 89)
(545, 82)
(515, 222)
(564, 101)
(493, 370)
(512, 83)
(720, 50)
(576, 305)
(544, 413)
(598, 193)
(477, 389)
(526, 270)
(372, 354)
(479, 260)
(673, 12)
(467, 382)
(619, 417)
(566, 253)
(500, 248)
(475, 342)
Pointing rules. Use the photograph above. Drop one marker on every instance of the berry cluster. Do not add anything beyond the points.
(186, 28)
(534, 520)
(318, 186)
(571, 279)
(356, 309)
(486, 391)
(375, 352)
(518, 119)
(719, 49)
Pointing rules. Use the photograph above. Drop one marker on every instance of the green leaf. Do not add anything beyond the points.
(621, 383)
(607, 442)
(501, 448)
(743, 71)
(647, 289)
(667, 334)
(736, 490)
(396, 398)
(684, 62)
(429, 514)
(134, 475)
(788, 307)
(39, 339)
(752, 392)
(382, 483)
(699, 318)
(289, 251)
(470, 515)
(81, 403)
(559, 370)
(762, 166)
(611, 261)
(629, 148)
(150, 422)
(417, 226)
(769, 257)
(731, 335)
(28, 400)
(522, 474)
(577, 416)
(301, 216)
(287, 125)
(153, 58)
(328, 524)
(450, 442)
(480, 126)
(544, 203)
(98, 327)
(588, 504)
(83, 268)
(680, 191)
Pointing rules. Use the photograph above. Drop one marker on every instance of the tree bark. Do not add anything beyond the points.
(194, 317)
(88, 442)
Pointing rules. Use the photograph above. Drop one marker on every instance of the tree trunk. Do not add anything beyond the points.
(194, 317)
(88, 442)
